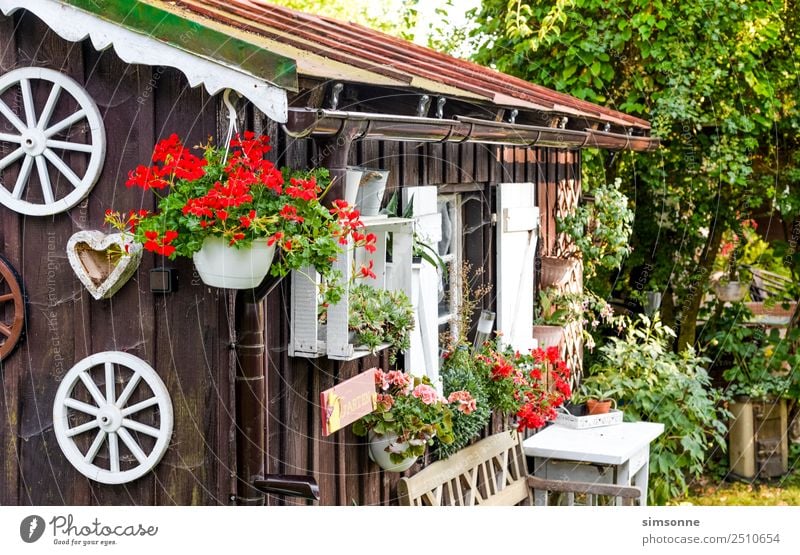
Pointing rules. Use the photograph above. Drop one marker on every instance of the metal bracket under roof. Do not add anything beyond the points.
(137, 47)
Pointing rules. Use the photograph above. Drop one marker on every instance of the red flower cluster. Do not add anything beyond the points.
(530, 386)
(349, 219)
(366, 270)
(304, 189)
(162, 245)
(176, 163)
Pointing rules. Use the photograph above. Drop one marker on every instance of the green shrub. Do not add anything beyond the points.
(652, 383)
(459, 373)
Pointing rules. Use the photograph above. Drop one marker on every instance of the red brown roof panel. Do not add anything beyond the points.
(371, 50)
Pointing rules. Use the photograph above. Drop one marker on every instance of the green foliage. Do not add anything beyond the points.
(762, 360)
(459, 374)
(381, 316)
(556, 308)
(718, 81)
(650, 382)
(601, 229)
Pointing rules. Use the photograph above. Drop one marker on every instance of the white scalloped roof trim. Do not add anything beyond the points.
(75, 25)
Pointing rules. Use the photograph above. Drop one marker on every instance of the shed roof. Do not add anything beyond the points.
(262, 49)
(333, 49)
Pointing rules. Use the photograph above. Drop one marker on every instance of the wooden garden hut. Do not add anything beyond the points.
(87, 88)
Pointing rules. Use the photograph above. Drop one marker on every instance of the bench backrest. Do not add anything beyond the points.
(490, 472)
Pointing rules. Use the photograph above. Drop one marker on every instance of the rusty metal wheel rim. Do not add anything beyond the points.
(11, 327)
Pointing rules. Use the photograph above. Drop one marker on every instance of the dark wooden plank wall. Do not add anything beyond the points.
(340, 462)
(185, 336)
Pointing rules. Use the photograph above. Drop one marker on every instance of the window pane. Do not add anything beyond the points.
(447, 210)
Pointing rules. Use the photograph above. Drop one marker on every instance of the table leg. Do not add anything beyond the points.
(623, 472)
(540, 471)
(641, 479)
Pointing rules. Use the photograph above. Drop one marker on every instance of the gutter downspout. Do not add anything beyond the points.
(251, 359)
(253, 483)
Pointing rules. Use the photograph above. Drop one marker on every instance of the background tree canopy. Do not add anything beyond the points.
(717, 79)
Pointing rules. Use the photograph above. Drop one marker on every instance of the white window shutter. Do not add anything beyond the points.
(517, 234)
(423, 356)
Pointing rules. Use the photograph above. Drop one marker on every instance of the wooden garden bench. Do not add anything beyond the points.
(493, 472)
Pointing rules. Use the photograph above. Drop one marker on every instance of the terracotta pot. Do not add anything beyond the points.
(221, 265)
(548, 336)
(380, 456)
(601, 406)
(555, 270)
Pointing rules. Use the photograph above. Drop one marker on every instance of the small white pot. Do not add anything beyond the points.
(351, 183)
(370, 192)
(380, 456)
(221, 265)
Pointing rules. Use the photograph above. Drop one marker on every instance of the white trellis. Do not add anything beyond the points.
(111, 418)
(34, 141)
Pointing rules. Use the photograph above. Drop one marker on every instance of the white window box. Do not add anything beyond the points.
(306, 339)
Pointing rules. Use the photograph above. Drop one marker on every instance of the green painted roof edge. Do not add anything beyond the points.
(194, 37)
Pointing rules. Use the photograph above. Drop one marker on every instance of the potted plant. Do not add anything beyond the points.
(555, 310)
(409, 414)
(731, 290)
(229, 209)
(759, 383)
(380, 316)
(528, 386)
(460, 375)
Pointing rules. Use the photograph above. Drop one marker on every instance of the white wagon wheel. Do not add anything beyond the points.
(34, 141)
(111, 417)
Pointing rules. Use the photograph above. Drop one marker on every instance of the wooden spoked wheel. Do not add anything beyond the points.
(37, 143)
(12, 309)
(112, 417)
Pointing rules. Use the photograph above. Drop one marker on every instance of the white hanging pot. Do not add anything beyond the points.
(731, 292)
(227, 267)
(380, 456)
(370, 192)
(351, 182)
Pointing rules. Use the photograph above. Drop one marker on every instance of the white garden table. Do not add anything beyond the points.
(618, 454)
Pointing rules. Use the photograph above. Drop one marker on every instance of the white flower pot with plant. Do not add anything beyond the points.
(230, 208)
(409, 414)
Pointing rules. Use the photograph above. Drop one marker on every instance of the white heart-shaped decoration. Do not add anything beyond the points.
(103, 270)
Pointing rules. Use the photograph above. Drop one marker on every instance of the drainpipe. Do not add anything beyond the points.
(251, 406)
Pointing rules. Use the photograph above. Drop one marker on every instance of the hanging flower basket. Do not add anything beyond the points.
(732, 291)
(555, 271)
(379, 450)
(230, 208)
(222, 265)
(370, 192)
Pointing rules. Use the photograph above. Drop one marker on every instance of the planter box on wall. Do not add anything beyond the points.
(306, 339)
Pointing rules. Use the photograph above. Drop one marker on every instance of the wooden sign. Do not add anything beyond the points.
(347, 402)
